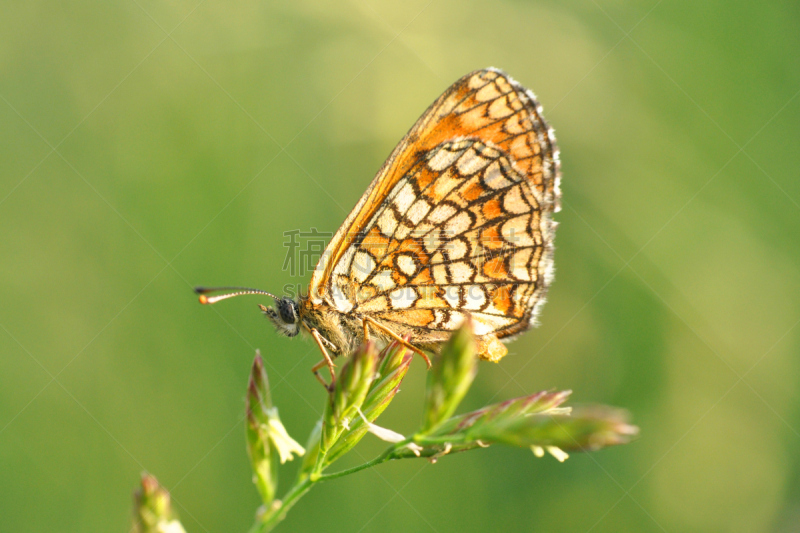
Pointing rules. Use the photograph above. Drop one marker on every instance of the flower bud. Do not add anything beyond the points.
(152, 509)
(312, 450)
(502, 413)
(586, 429)
(348, 394)
(395, 362)
(263, 456)
(537, 422)
(391, 357)
(450, 377)
(267, 439)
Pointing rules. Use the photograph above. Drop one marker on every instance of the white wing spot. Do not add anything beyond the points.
(343, 265)
(403, 297)
(404, 198)
(513, 202)
(518, 264)
(406, 264)
(442, 159)
(470, 163)
(458, 224)
(515, 231)
(451, 296)
(383, 280)
(494, 178)
(340, 302)
(460, 272)
(499, 109)
(456, 319)
(418, 211)
(487, 324)
(363, 265)
(456, 249)
(403, 231)
(439, 274)
(487, 92)
(474, 297)
(387, 222)
(441, 213)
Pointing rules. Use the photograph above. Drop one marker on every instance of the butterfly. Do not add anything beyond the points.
(457, 223)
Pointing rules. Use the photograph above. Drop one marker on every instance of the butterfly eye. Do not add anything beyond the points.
(288, 310)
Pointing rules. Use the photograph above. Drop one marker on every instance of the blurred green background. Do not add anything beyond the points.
(147, 147)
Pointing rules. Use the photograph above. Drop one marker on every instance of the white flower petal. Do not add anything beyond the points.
(385, 434)
(553, 411)
(277, 433)
(172, 526)
(558, 453)
(414, 447)
(382, 433)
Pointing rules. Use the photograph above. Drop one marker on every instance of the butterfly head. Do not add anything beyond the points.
(284, 316)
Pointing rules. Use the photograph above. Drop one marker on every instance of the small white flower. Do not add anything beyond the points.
(558, 453)
(415, 448)
(173, 526)
(388, 435)
(435, 457)
(555, 451)
(384, 434)
(276, 433)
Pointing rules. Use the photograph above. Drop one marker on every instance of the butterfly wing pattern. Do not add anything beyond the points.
(457, 222)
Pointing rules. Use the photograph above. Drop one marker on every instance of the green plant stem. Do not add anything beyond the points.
(303, 484)
(273, 516)
(382, 458)
(388, 455)
(424, 440)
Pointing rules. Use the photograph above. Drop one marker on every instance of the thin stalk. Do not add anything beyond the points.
(382, 458)
(274, 516)
(388, 455)
(447, 439)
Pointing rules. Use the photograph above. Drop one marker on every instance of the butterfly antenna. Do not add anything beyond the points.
(237, 291)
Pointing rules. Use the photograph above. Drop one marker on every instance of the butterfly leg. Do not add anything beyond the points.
(326, 361)
(367, 320)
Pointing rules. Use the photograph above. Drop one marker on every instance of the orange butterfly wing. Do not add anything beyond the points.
(478, 174)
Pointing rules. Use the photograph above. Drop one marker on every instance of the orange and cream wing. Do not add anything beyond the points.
(456, 221)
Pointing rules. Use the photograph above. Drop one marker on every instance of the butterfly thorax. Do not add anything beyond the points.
(344, 332)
